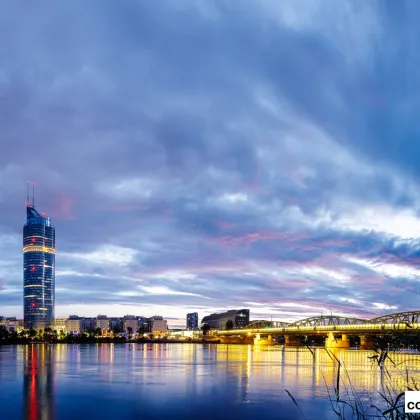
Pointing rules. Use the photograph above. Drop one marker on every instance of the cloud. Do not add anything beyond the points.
(403, 224)
(214, 155)
(106, 254)
(158, 290)
(391, 270)
(234, 198)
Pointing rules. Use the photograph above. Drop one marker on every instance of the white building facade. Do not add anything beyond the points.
(130, 324)
(73, 325)
(159, 324)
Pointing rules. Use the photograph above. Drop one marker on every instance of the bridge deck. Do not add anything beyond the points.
(355, 329)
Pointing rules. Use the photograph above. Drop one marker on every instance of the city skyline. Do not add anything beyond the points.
(190, 164)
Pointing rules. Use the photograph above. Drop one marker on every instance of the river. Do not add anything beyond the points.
(190, 381)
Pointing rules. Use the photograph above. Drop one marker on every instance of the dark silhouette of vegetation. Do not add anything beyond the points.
(4, 334)
(205, 328)
(229, 325)
(347, 403)
(129, 332)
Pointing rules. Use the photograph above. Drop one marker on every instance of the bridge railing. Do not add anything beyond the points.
(361, 328)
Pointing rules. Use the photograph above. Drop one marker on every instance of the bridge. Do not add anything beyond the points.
(330, 326)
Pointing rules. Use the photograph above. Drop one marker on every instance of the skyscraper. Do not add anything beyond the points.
(192, 321)
(38, 269)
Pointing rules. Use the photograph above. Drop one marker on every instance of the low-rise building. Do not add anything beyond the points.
(11, 324)
(116, 324)
(145, 324)
(87, 325)
(130, 324)
(102, 322)
(159, 325)
(73, 324)
(60, 325)
(234, 318)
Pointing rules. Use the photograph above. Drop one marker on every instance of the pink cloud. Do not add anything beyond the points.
(254, 187)
(324, 243)
(225, 225)
(128, 208)
(64, 206)
(395, 259)
(368, 280)
(250, 238)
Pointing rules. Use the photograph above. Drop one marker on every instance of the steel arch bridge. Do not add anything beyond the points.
(325, 321)
(411, 317)
(406, 322)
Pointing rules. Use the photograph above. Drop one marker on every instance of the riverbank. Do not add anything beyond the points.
(106, 341)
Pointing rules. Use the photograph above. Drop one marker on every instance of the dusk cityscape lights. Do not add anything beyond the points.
(222, 215)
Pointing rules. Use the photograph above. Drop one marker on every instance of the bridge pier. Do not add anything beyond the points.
(332, 342)
(367, 343)
(291, 341)
(258, 341)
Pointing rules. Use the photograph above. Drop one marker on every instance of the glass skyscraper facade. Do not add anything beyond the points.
(38, 270)
(192, 321)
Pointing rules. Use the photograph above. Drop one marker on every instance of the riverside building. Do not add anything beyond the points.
(38, 269)
(238, 318)
(192, 321)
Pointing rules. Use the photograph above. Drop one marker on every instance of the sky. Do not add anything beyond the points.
(213, 155)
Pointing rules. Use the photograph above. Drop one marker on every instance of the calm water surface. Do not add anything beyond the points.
(182, 381)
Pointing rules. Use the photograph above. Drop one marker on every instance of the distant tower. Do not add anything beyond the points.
(38, 268)
(192, 321)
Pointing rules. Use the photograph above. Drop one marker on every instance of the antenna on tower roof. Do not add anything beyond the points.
(28, 196)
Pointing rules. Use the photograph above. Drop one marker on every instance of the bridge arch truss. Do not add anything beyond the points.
(267, 324)
(411, 317)
(327, 320)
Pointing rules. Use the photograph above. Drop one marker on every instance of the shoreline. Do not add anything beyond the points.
(405, 351)
(107, 341)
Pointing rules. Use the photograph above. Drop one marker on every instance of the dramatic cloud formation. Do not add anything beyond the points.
(211, 155)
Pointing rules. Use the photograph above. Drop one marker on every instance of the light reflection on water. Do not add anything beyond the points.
(184, 381)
